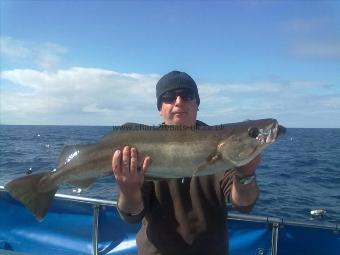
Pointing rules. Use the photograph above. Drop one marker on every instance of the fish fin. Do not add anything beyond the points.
(130, 126)
(85, 183)
(212, 159)
(69, 152)
(26, 190)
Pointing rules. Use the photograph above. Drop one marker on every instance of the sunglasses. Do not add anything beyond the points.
(171, 96)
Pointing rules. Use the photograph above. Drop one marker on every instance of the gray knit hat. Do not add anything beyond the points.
(175, 80)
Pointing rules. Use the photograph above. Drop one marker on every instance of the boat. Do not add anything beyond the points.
(84, 226)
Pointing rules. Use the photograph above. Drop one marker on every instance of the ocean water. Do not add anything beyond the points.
(298, 173)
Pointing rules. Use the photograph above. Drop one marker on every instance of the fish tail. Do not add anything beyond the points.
(27, 190)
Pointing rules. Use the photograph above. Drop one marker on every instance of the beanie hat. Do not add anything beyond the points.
(175, 80)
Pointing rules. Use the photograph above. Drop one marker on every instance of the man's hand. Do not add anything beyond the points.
(130, 178)
(128, 174)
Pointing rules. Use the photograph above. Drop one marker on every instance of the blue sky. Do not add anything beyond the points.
(97, 62)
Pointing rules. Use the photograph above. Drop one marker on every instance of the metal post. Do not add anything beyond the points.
(96, 209)
(275, 238)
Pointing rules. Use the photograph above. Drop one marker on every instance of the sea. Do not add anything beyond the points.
(298, 173)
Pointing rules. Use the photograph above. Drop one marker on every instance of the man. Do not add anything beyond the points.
(180, 216)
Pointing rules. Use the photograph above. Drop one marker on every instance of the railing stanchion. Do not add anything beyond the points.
(275, 237)
(96, 209)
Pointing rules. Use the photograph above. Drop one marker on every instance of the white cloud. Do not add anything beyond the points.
(92, 96)
(93, 108)
(44, 55)
(316, 37)
(97, 94)
(317, 49)
(49, 54)
(331, 102)
(13, 49)
(301, 25)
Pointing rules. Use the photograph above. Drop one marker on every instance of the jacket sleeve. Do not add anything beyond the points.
(147, 194)
(131, 218)
(226, 183)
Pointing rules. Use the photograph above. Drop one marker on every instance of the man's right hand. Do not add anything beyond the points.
(130, 178)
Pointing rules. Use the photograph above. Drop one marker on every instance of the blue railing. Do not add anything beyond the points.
(78, 225)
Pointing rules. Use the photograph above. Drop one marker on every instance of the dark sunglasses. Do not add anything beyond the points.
(171, 96)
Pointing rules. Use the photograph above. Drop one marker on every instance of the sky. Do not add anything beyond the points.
(87, 62)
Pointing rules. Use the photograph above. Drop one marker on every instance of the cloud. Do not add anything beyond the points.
(13, 49)
(93, 96)
(44, 55)
(316, 37)
(77, 93)
(331, 102)
(316, 49)
(301, 25)
(280, 99)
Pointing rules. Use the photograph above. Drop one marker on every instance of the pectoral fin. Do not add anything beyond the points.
(211, 160)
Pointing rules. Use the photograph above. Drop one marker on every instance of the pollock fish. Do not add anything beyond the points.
(175, 152)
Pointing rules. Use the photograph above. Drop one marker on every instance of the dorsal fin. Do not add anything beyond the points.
(135, 126)
(129, 126)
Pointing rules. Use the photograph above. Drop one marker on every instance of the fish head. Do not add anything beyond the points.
(242, 142)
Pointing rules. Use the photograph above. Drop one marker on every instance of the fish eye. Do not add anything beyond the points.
(253, 132)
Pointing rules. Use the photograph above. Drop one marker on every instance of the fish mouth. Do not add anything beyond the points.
(267, 135)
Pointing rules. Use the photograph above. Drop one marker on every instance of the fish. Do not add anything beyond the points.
(175, 152)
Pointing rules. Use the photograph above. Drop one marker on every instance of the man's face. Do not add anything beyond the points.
(179, 107)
